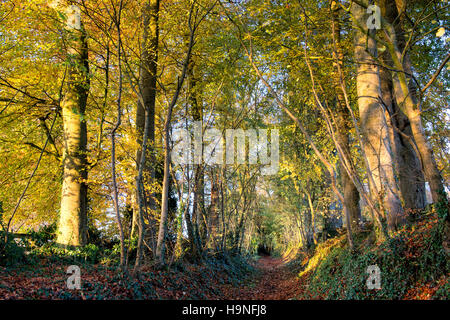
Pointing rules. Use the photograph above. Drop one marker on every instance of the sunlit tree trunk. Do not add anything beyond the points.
(72, 224)
(375, 131)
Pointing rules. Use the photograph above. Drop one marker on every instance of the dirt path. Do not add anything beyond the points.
(275, 282)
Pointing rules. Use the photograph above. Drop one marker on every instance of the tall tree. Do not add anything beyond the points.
(72, 225)
(162, 233)
(343, 122)
(196, 109)
(145, 119)
(409, 170)
(406, 99)
(146, 106)
(374, 127)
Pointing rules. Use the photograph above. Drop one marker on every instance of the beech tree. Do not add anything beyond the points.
(72, 225)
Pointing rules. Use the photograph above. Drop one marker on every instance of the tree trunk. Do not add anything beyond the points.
(196, 108)
(214, 212)
(406, 100)
(123, 252)
(375, 131)
(409, 169)
(147, 88)
(160, 248)
(312, 213)
(343, 125)
(309, 231)
(72, 225)
(161, 244)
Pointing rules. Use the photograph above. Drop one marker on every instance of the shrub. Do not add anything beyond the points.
(44, 235)
(10, 251)
(87, 254)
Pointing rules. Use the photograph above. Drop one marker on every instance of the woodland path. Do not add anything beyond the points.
(274, 282)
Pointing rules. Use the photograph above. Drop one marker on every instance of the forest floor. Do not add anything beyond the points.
(271, 279)
(413, 264)
(274, 281)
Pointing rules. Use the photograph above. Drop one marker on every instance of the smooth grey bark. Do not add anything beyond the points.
(374, 127)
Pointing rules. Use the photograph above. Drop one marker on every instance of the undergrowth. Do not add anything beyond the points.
(412, 262)
(34, 267)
